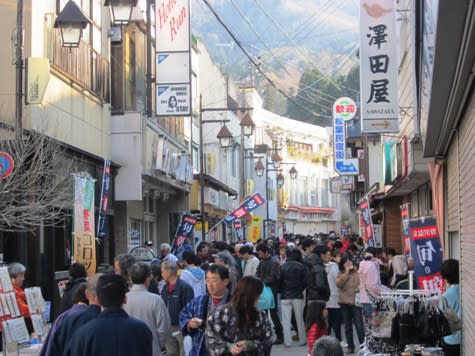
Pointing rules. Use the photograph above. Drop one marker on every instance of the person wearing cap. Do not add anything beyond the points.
(370, 281)
(165, 253)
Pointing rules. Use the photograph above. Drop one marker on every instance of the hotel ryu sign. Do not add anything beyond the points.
(173, 58)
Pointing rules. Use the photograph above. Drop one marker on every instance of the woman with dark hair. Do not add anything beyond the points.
(238, 328)
(450, 272)
(348, 282)
(316, 323)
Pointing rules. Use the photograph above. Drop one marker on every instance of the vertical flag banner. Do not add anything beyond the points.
(427, 253)
(105, 194)
(84, 239)
(254, 229)
(246, 207)
(184, 231)
(378, 67)
(405, 228)
(237, 227)
(367, 223)
(344, 109)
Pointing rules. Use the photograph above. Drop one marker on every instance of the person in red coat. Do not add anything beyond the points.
(17, 275)
(316, 323)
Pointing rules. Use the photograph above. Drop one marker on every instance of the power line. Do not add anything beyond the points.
(271, 82)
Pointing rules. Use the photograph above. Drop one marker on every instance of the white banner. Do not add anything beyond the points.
(378, 67)
(84, 239)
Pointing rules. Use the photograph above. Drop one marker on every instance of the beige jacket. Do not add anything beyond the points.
(348, 284)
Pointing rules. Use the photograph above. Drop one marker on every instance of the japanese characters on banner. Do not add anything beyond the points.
(173, 59)
(104, 205)
(426, 252)
(245, 208)
(366, 222)
(84, 239)
(237, 227)
(254, 229)
(184, 231)
(378, 67)
(405, 228)
(344, 109)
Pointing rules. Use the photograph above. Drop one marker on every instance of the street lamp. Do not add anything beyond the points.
(121, 10)
(71, 21)
(260, 168)
(247, 125)
(225, 138)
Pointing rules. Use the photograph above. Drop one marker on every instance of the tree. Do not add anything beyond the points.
(39, 190)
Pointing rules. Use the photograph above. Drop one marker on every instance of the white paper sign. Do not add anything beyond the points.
(173, 100)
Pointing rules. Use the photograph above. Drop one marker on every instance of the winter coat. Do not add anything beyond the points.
(370, 281)
(195, 277)
(268, 271)
(176, 301)
(151, 309)
(332, 272)
(348, 284)
(67, 298)
(293, 280)
(221, 331)
(113, 332)
(197, 308)
(317, 281)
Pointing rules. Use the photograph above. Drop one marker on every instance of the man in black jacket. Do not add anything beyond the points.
(318, 288)
(293, 281)
(268, 271)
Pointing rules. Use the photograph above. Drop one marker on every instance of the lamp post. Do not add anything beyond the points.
(225, 140)
(261, 168)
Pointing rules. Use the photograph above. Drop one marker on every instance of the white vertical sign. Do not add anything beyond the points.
(378, 67)
(173, 59)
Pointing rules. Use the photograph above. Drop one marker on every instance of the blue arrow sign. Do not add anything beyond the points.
(346, 167)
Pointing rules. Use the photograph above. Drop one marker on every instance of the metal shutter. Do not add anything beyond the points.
(466, 149)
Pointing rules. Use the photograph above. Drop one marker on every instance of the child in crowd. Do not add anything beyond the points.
(316, 323)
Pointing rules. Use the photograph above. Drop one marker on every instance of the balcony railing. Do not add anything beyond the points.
(83, 65)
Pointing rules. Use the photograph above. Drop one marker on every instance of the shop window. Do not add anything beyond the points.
(454, 245)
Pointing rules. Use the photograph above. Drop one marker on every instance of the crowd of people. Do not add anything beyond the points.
(209, 302)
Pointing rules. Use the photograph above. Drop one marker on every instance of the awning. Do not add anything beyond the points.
(216, 184)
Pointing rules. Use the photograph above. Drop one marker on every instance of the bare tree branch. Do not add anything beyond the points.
(40, 189)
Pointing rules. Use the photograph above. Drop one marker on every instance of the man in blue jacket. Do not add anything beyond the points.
(113, 332)
(193, 317)
(176, 294)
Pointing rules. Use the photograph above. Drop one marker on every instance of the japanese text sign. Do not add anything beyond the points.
(378, 67)
(184, 231)
(343, 109)
(246, 207)
(366, 222)
(426, 252)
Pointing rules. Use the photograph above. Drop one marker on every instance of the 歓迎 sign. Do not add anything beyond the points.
(343, 109)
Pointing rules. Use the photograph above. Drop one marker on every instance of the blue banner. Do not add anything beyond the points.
(105, 192)
(237, 227)
(426, 252)
(245, 208)
(184, 231)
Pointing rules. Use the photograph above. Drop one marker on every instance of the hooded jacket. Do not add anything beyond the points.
(195, 277)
